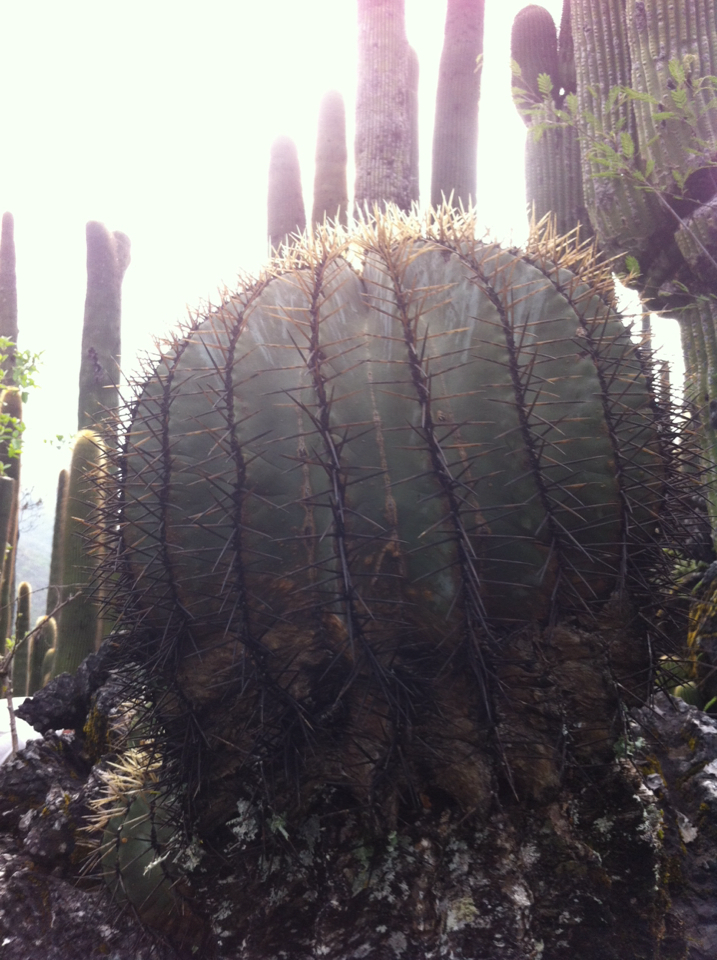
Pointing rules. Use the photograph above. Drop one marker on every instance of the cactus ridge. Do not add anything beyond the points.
(348, 486)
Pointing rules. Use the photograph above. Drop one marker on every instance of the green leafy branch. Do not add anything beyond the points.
(608, 145)
(23, 367)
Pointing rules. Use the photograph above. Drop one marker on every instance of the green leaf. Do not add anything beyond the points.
(679, 179)
(571, 102)
(664, 115)
(545, 85)
(679, 98)
(611, 98)
(514, 68)
(677, 71)
(649, 167)
(632, 266)
(631, 94)
(628, 147)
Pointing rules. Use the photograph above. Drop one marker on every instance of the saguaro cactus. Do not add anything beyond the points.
(108, 256)
(647, 120)
(11, 407)
(8, 291)
(384, 145)
(54, 590)
(42, 641)
(78, 624)
(20, 664)
(553, 171)
(285, 203)
(330, 187)
(455, 137)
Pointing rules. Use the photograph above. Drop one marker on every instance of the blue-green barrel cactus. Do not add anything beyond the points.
(362, 474)
(475, 419)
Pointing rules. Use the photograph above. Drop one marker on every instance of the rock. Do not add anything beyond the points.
(680, 759)
(622, 862)
(64, 703)
(49, 908)
(24, 731)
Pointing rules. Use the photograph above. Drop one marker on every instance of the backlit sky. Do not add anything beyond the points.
(156, 118)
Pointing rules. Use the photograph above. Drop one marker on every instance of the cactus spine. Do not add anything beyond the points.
(285, 200)
(78, 620)
(455, 137)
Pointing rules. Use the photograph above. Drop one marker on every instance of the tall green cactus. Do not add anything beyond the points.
(72, 566)
(285, 204)
(78, 623)
(20, 664)
(646, 116)
(108, 256)
(553, 171)
(337, 476)
(42, 640)
(455, 136)
(54, 590)
(330, 187)
(11, 407)
(385, 151)
(8, 500)
(8, 291)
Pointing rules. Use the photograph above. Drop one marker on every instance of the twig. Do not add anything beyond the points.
(6, 672)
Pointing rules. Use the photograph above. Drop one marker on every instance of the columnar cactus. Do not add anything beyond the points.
(553, 171)
(8, 499)
(8, 291)
(330, 187)
(108, 256)
(42, 640)
(78, 621)
(20, 664)
(285, 205)
(455, 132)
(384, 145)
(646, 116)
(10, 407)
(54, 590)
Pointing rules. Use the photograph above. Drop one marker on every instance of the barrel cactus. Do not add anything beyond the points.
(365, 478)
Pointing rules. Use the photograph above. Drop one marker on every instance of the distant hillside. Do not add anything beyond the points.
(34, 547)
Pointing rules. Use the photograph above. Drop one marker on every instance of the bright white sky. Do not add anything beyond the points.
(156, 118)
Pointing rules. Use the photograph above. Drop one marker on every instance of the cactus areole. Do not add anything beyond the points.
(399, 424)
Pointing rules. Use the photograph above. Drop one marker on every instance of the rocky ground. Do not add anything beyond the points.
(629, 869)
